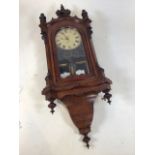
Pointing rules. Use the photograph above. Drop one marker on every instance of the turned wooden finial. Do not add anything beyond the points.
(52, 105)
(86, 139)
(62, 7)
(63, 12)
(42, 18)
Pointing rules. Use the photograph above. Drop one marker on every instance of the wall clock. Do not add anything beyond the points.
(74, 76)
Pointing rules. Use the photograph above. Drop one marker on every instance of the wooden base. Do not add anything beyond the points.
(81, 111)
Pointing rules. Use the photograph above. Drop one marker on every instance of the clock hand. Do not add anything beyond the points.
(63, 34)
(66, 38)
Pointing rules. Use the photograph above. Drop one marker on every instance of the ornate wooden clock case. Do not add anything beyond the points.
(74, 76)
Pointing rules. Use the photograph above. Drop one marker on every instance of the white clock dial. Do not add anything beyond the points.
(68, 38)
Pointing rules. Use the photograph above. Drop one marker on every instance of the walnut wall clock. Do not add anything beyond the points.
(74, 76)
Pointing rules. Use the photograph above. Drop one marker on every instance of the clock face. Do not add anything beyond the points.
(71, 55)
(68, 38)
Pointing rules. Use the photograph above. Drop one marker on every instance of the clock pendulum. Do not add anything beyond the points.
(74, 76)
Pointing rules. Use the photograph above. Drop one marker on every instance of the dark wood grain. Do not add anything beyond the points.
(79, 92)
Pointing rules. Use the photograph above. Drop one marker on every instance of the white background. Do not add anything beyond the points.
(113, 126)
(145, 75)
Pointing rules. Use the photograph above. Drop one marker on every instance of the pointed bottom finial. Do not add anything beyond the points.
(86, 139)
(52, 106)
(87, 145)
(107, 96)
(52, 111)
